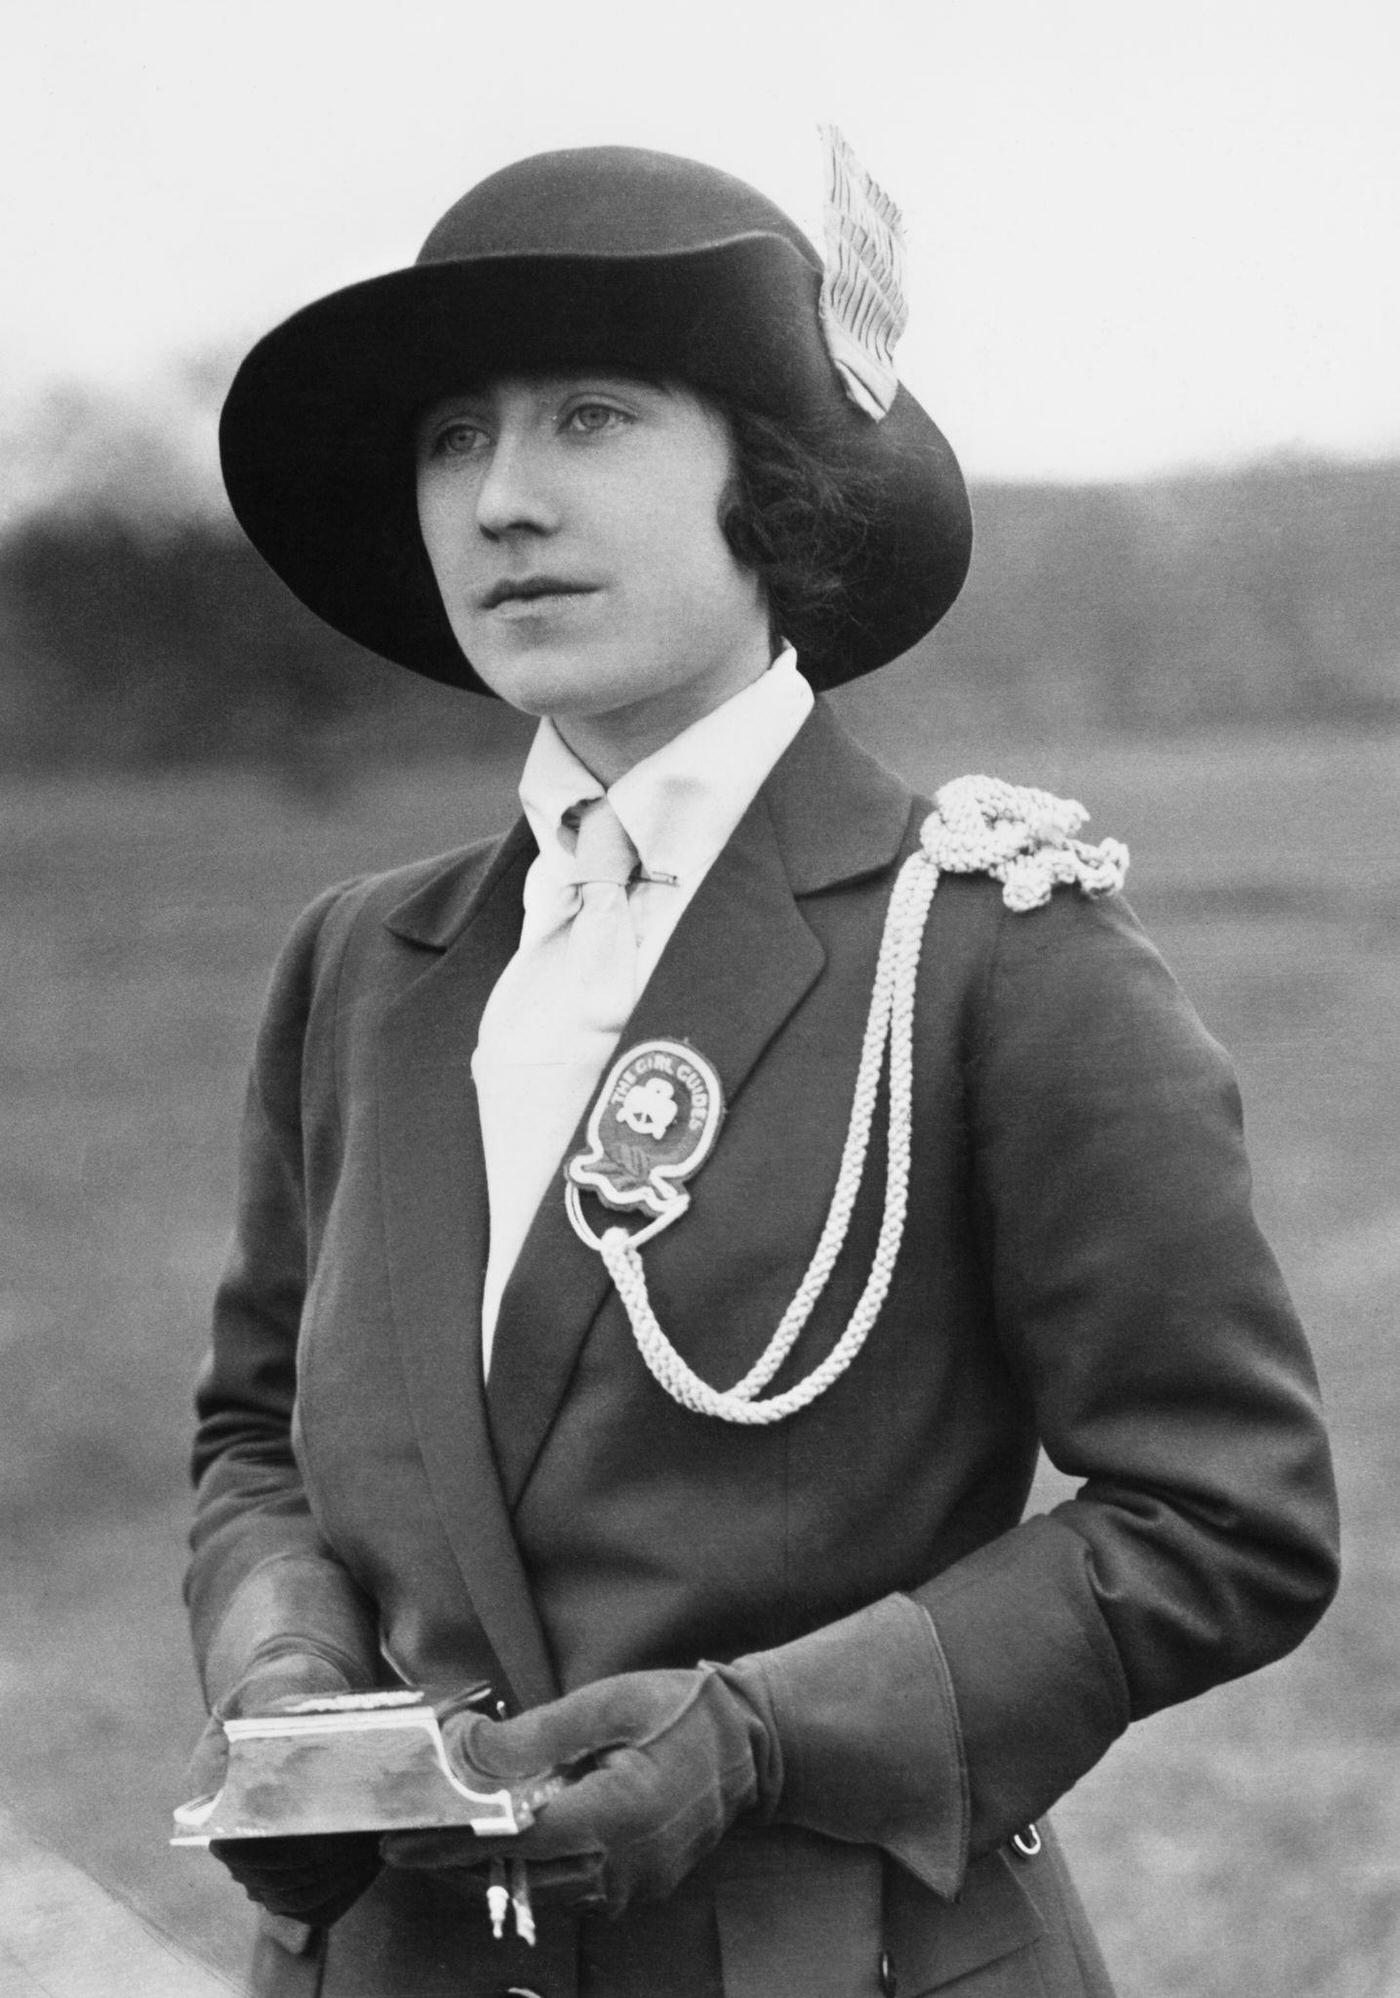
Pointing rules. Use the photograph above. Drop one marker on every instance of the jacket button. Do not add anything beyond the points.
(889, 1982)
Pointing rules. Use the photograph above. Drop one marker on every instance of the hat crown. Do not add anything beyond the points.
(606, 201)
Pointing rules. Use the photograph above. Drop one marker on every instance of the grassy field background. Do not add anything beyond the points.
(1249, 1844)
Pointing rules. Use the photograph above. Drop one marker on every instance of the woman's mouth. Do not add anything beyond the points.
(526, 595)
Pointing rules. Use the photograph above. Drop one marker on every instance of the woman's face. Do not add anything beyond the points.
(572, 523)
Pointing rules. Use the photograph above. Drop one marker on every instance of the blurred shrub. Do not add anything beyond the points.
(120, 645)
(1268, 593)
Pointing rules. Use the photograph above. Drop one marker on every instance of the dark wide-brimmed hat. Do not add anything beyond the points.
(606, 256)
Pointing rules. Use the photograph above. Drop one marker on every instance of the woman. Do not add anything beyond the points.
(725, 1529)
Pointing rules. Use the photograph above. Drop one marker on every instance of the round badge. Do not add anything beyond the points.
(654, 1124)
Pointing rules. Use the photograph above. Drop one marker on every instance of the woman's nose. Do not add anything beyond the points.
(516, 493)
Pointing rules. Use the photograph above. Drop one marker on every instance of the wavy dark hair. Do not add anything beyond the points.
(797, 512)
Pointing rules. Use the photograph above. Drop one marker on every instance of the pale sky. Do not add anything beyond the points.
(1141, 236)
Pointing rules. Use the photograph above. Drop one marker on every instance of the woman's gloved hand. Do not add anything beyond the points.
(851, 1731)
(312, 1879)
(659, 1764)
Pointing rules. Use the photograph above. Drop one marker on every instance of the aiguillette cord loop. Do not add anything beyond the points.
(1021, 837)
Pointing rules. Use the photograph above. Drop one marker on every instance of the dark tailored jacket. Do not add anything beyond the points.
(1080, 1268)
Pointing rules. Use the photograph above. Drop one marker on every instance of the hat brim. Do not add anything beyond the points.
(317, 433)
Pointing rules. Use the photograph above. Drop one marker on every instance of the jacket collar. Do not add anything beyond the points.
(457, 890)
(836, 814)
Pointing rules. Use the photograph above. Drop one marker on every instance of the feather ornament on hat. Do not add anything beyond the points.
(863, 308)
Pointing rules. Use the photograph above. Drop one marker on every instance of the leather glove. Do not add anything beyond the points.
(661, 1765)
(851, 1732)
(312, 1879)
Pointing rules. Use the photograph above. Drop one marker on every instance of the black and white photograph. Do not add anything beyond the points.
(700, 1008)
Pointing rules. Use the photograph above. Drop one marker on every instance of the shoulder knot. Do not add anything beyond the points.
(1022, 837)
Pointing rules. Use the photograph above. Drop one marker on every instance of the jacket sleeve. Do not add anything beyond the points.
(262, 1581)
(1149, 1328)
(1147, 1322)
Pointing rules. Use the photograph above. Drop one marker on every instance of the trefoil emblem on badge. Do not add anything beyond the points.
(652, 1125)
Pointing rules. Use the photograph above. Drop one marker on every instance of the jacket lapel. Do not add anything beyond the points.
(740, 960)
(433, 1194)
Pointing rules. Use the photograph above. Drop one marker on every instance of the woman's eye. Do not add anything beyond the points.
(458, 440)
(590, 418)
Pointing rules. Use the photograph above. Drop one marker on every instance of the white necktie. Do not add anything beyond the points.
(549, 1029)
(601, 954)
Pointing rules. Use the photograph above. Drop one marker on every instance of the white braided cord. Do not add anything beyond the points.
(1022, 838)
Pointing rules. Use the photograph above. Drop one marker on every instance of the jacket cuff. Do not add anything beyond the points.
(867, 1731)
(293, 1604)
